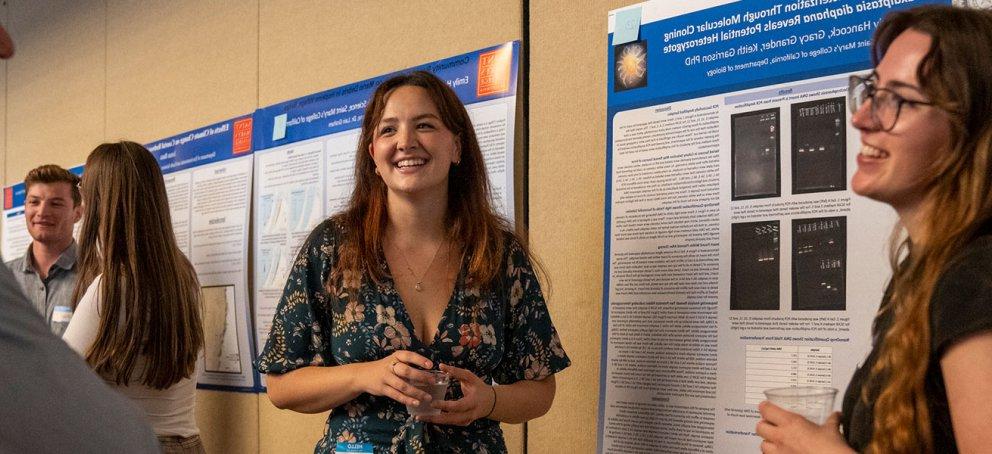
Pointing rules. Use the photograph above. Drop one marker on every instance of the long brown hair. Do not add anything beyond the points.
(956, 74)
(473, 225)
(149, 292)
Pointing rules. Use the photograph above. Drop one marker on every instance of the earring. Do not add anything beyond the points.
(377, 171)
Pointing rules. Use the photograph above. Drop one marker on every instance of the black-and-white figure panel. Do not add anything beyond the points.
(754, 268)
(819, 146)
(819, 264)
(756, 171)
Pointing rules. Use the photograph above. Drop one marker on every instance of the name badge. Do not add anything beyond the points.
(61, 314)
(365, 448)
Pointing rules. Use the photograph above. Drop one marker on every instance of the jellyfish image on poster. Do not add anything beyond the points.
(631, 65)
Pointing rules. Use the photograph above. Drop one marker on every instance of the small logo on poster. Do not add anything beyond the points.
(242, 136)
(8, 198)
(630, 62)
(494, 71)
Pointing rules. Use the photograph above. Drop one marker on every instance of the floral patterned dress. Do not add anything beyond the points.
(504, 335)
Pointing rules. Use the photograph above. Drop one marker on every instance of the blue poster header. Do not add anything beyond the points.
(209, 144)
(744, 45)
(478, 76)
(15, 195)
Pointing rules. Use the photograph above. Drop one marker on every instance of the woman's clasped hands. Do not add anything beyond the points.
(396, 376)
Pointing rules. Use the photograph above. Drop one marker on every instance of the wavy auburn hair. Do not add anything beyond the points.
(149, 293)
(473, 225)
(956, 74)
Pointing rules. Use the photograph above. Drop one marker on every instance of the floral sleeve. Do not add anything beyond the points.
(532, 348)
(301, 327)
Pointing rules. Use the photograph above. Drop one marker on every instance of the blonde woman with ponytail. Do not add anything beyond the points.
(137, 319)
(925, 116)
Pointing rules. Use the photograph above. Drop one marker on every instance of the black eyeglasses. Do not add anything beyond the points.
(885, 104)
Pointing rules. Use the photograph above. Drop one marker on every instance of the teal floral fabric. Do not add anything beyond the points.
(503, 335)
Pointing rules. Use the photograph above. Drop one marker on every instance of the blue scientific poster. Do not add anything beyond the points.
(737, 259)
(306, 148)
(208, 177)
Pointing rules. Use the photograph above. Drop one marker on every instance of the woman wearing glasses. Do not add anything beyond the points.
(925, 116)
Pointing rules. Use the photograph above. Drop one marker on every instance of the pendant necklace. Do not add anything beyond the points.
(419, 284)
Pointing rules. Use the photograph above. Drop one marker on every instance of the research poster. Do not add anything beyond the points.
(208, 178)
(305, 155)
(15, 231)
(737, 258)
(15, 237)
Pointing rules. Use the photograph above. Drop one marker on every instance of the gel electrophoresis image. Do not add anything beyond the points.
(819, 264)
(819, 146)
(754, 148)
(754, 267)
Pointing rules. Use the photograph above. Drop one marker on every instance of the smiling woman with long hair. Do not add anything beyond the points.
(419, 272)
(137, 320)
(925, 117)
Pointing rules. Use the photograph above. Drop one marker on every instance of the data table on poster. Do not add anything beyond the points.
(779, 366)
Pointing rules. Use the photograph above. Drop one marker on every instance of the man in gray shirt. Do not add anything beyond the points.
(46, 272)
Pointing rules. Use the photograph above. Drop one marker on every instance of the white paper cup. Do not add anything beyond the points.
(437, 388)
(815, 403)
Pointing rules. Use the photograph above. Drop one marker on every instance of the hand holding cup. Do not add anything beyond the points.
(815, 403)
(436, 386)
(394, 375)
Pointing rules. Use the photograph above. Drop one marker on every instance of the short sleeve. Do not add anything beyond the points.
(85, 323)
(301, 326)
(532, 348)
(962, 301)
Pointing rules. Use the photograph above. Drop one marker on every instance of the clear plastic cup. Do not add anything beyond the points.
(436, 388)
(815, 403)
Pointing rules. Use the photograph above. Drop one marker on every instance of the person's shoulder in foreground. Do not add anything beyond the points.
(52, 401)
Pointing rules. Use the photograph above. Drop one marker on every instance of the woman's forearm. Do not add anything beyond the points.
(314, 389)
(524, 400)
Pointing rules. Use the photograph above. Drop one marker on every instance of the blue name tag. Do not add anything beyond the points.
(353, 447)
(61, 314)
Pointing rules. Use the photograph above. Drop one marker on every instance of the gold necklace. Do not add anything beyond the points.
(419, 284)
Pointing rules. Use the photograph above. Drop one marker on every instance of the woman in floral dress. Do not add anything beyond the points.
(418, 273)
